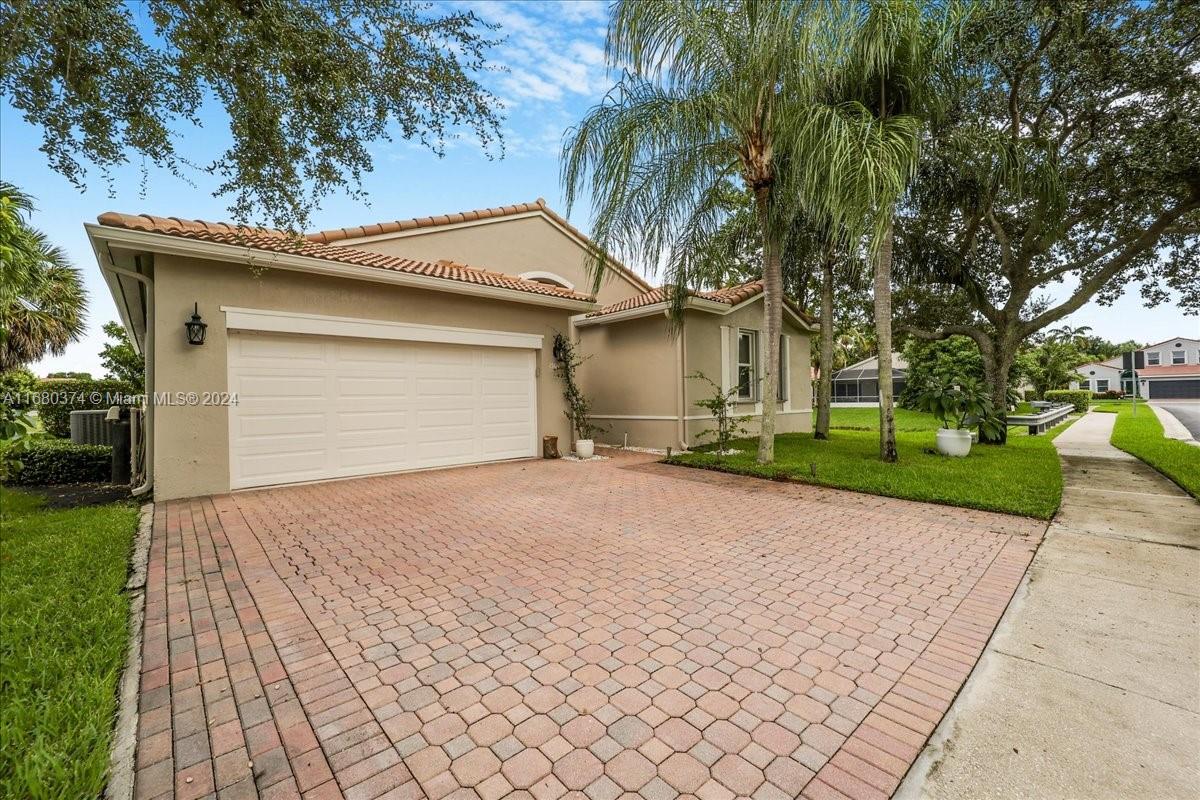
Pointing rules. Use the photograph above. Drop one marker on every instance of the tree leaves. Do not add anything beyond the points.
(306, 88)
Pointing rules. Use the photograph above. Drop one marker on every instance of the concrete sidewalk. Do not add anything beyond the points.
(1090, 687)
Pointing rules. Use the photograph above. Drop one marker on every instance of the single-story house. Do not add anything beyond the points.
(407, 345)
(1171, 372)
(859, 383)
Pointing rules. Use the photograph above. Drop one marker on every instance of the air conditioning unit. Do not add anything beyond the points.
(90, 427)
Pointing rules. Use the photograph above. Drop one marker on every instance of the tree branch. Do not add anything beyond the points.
(1088, 288)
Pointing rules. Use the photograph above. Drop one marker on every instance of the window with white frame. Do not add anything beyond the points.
(747, 365)
(1178, 357)
(1102, 384)
(1152, 359)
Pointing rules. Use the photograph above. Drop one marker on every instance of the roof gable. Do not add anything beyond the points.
(418, 225)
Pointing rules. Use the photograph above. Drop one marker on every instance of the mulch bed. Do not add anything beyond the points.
(74, 495)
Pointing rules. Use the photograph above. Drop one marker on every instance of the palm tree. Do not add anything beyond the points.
(901, 52)
(714, 94)
(42, 299)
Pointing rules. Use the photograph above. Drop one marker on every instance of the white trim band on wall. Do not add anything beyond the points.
(253, 319)
(690, 417)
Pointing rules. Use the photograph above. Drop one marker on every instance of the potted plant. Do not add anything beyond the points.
(957, 404)
(579, 408)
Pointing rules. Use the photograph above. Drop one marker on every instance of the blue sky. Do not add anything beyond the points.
(554, 55)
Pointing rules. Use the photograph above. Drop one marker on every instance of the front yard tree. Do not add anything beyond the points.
(902, 50)
(306, 87)
(1072, 159)
(716, 93)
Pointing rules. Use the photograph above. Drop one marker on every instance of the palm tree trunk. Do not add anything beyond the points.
(825, 379)
(883, 340)
(772, 323)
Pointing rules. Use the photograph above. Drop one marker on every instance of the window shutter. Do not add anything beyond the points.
(728, 349)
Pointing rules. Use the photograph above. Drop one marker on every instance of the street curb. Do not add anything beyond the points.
(124, 743)
(1172, 427)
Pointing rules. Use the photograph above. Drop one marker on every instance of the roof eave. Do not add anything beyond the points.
(217, 251)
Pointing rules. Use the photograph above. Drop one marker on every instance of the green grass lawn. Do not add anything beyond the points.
(867, 419)
(63, 632)
(1021, 477)
(1142, 436)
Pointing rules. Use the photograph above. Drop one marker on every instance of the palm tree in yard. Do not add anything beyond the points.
(900, 57)
(717, 93)
(42, 300)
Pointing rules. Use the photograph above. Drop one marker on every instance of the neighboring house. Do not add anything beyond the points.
(391, 347)
(1098, 376)
(859, 383)
(1171, 372)
(638, 372)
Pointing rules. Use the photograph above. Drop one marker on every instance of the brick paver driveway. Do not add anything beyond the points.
(550, 628)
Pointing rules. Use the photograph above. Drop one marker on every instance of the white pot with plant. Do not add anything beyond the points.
(578, 411)
(959, 405)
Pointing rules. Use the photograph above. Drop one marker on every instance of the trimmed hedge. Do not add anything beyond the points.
(58, 397)
(1111, 394)
(49, 462)
(1029, 395)
(1080, 398)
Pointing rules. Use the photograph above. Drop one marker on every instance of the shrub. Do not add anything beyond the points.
(718, 404)
(1111, 394)
(1080, 398)
(579, 407)
(17, 386)
(57, 398)
(48, 462)
(1030, 395)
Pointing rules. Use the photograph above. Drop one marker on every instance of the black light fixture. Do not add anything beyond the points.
(196, 328)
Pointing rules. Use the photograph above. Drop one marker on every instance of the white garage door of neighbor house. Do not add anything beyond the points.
(313, 407)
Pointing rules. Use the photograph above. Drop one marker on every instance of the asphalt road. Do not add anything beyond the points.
(1187, 413)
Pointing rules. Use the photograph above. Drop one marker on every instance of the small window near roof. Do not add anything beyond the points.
(1178, 357)
(1152, 359)
(747, 361)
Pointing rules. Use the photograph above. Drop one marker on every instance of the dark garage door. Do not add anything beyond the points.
(1175, 390)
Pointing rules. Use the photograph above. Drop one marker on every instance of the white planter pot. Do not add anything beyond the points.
(585, 448)
(953, 442)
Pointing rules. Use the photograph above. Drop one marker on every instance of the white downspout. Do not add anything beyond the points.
(146, 281)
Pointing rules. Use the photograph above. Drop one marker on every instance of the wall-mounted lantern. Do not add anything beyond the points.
(196, 327)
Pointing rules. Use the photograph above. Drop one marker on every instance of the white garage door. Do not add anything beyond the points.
(313, 407)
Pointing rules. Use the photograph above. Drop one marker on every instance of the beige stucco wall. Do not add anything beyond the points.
(514, 245)
(635, 372)
(632, 368)
(191, 447)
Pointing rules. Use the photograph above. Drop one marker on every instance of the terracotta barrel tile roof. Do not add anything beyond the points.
(730, 296)
(1169, 371)
(395, 226)
(275, 241)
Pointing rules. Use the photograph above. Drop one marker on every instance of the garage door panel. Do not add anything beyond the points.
(283, 467)
(276, 350)
(353, 386)
(263, 425)
(362, 406)
(381, 421)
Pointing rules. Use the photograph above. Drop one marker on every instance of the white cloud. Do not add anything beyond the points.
(551, 50)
